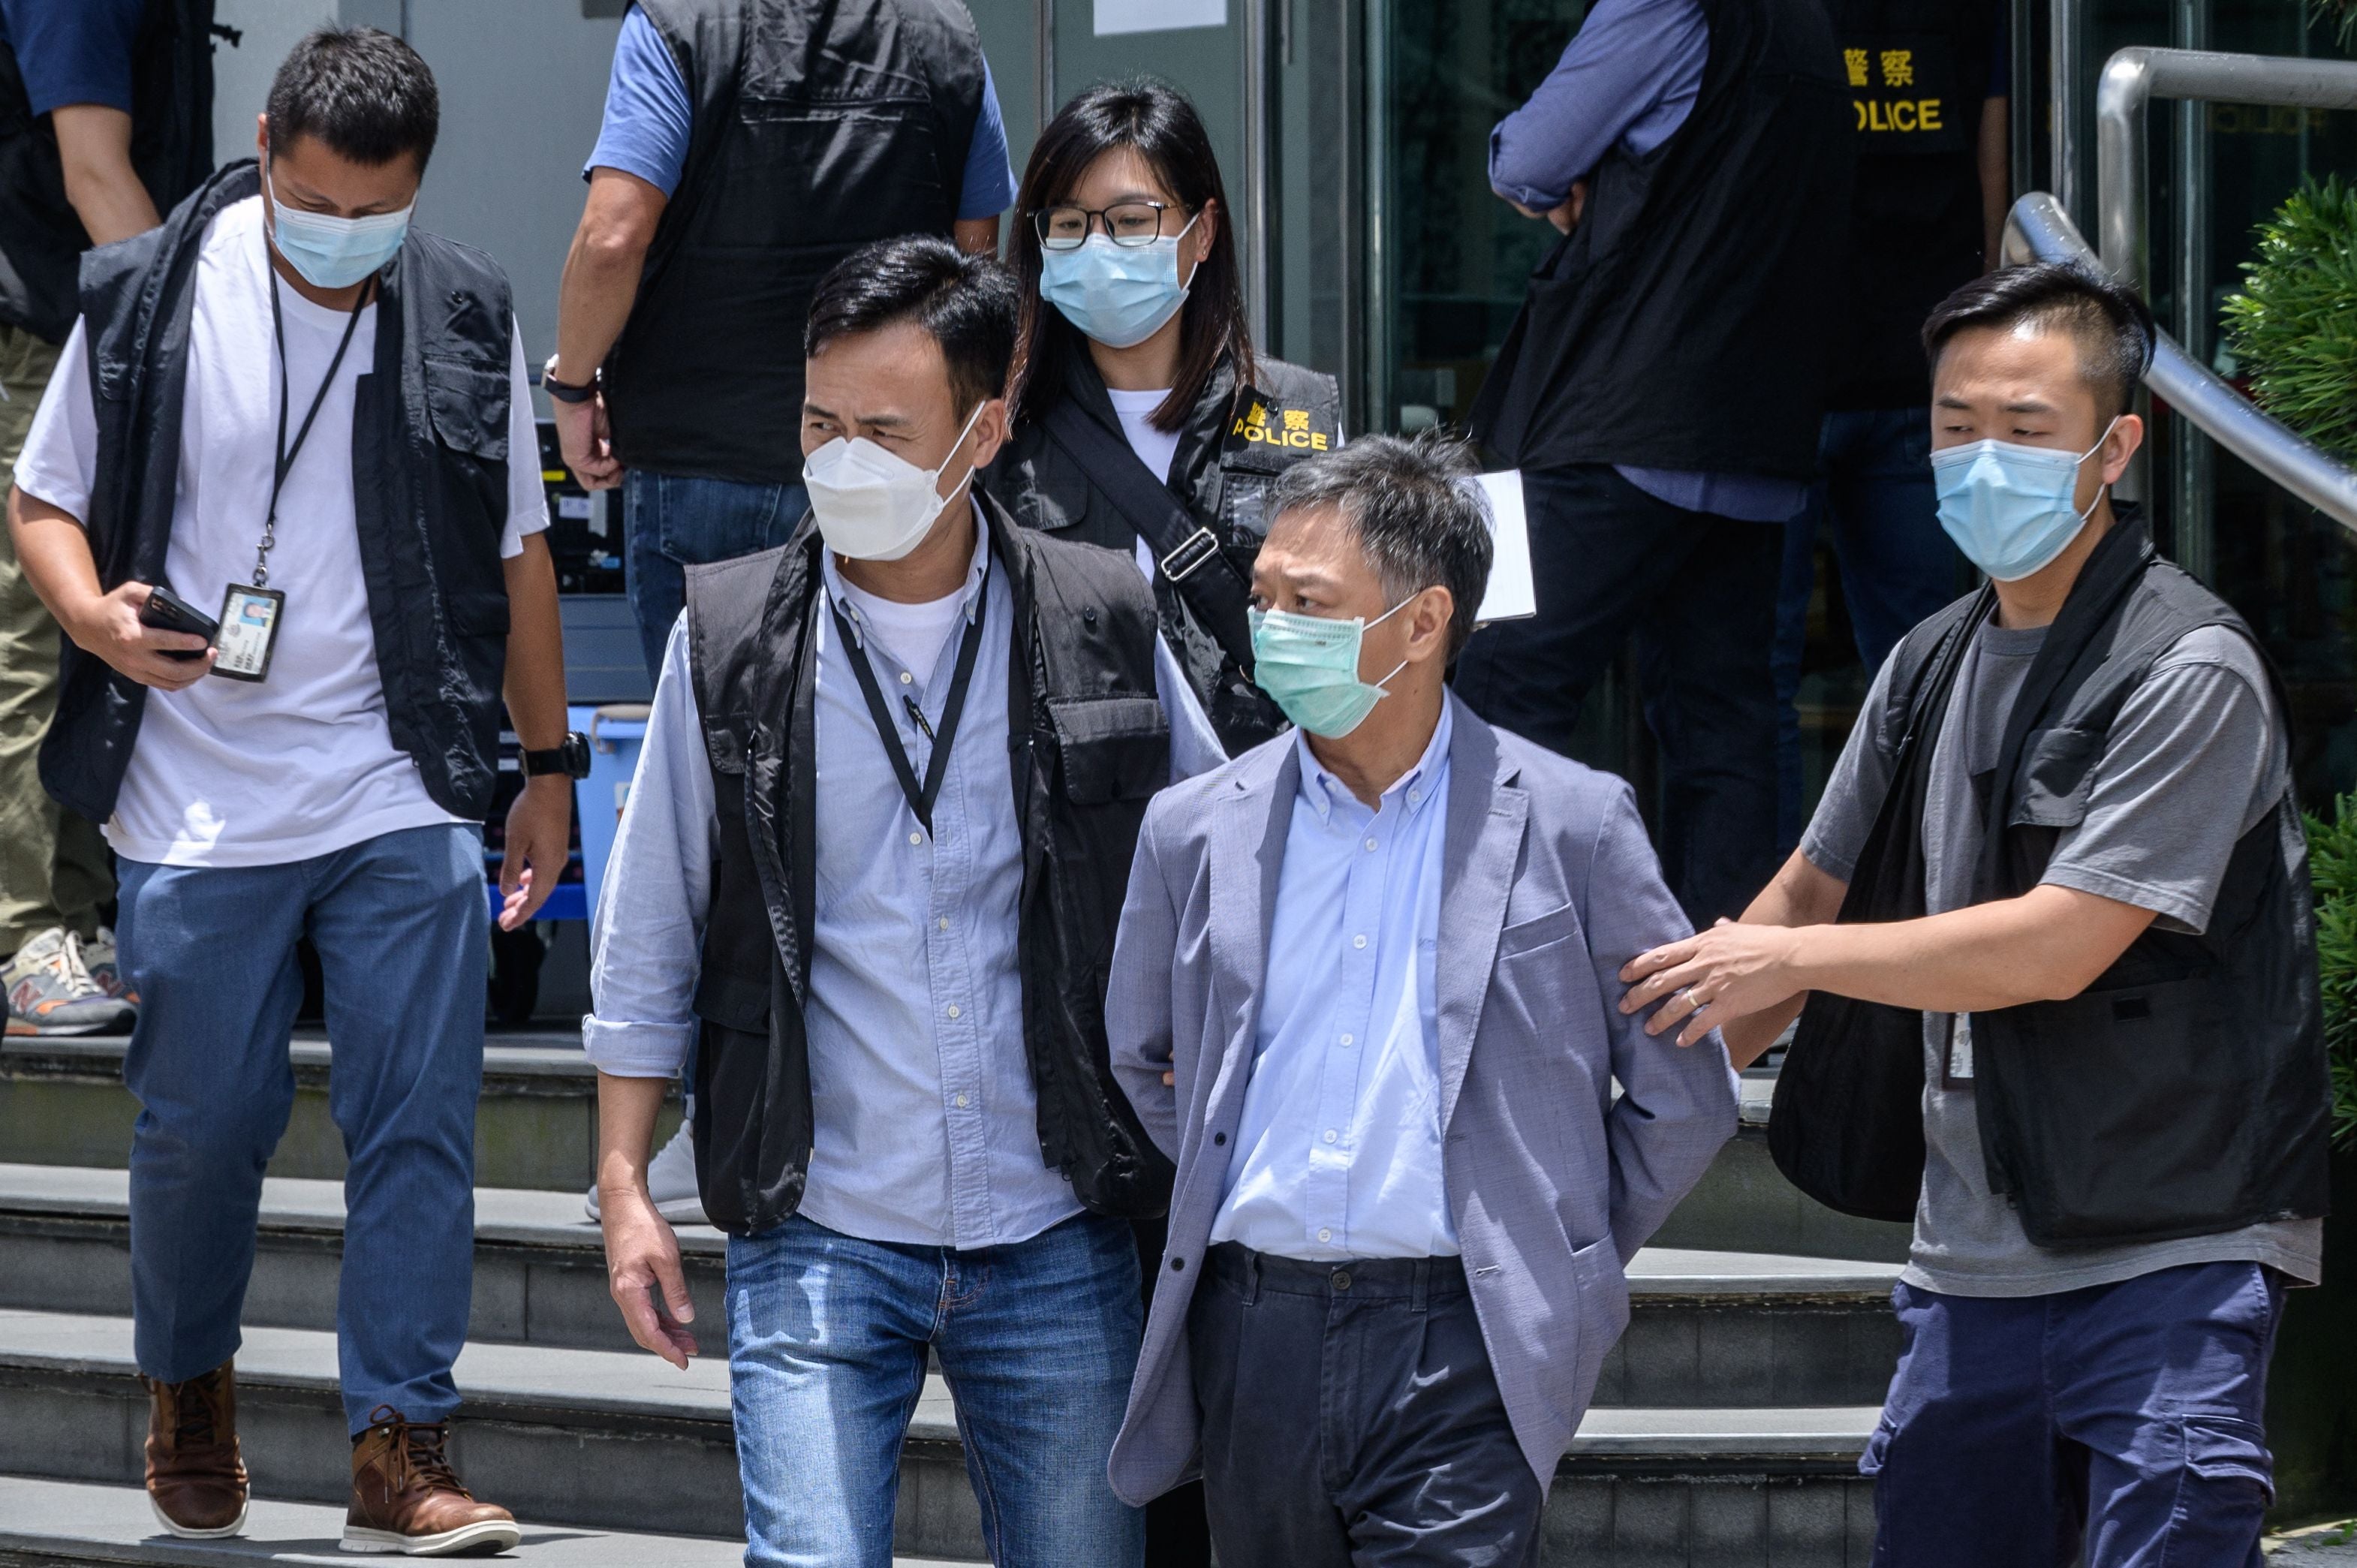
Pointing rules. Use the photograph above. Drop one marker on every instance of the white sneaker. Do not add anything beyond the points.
(670, 1182)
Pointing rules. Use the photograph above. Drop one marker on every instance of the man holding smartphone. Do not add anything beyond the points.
(318, 434)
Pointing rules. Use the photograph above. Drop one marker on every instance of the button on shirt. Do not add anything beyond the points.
(925, 1127)
(1337, 1151)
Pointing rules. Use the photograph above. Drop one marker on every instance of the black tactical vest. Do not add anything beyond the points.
(1226, 461)
(41, 236)
(429, 485)
(1089, 747)
(817, 129)
(1685, 322)
(2185, 1091)
(1918, 72)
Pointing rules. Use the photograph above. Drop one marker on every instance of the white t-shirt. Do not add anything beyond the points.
(1155, 448)
(232, 773)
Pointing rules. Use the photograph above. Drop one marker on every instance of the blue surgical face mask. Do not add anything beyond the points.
(331, 251)
(2008, 507)
(1118, 295)
(1310, 665)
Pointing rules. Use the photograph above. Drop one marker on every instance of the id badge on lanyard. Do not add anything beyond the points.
(251, 612)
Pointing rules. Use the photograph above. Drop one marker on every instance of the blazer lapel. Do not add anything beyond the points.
(1247, 850)
(1481, 841)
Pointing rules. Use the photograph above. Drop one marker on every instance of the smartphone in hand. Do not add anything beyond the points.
(167, 611)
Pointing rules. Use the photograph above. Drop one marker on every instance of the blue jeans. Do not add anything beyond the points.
(1874, 496)
(398, 924)
(827, 1341)
(673, 521)
(2129, 1414)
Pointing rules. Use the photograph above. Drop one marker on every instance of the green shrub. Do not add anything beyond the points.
(2332, 868)
(2293, 329)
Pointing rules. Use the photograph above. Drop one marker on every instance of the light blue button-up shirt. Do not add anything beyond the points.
(1338, 1151)
(925, 1125)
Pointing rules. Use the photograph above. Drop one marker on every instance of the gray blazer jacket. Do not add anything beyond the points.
(1548, 886)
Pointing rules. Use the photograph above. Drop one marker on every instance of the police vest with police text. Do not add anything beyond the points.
(1918, 73)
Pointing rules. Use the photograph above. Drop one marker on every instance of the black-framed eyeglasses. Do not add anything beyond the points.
(1124, 223)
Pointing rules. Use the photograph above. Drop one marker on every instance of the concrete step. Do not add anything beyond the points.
(1707, 1329)
(45, 1523)
(1743, 1203)
(63, 1104)
(607, 1440)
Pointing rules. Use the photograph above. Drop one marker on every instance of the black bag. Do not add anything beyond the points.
(1846, 1127)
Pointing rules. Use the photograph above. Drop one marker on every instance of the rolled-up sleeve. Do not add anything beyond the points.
(647, 942)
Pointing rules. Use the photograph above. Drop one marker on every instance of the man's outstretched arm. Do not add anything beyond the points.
(2047, 945)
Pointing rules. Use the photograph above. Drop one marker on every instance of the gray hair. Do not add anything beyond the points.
(1420, 519)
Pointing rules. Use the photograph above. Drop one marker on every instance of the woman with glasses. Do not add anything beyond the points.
(1144, 420)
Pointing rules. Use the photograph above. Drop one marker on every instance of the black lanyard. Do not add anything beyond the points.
(920, 801)
(287, 455)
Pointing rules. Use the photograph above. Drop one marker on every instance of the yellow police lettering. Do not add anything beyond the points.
(1902, 115)
(1854, 62)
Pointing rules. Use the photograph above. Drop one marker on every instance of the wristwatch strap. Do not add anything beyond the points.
(565, 391)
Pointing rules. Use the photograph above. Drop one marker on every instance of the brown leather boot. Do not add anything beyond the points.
(406, 1498)
(196, 1480)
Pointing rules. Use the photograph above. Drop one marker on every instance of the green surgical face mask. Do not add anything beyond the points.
(1311, 666)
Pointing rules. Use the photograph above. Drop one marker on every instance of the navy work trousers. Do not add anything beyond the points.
(1697, 594)
(2127, 1416)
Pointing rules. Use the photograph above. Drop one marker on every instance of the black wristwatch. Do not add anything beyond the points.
(572, 758)
(567, 391)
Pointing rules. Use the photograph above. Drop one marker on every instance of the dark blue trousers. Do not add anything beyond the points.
(1695, 593)
(1351, 1419)
(2127, 1417)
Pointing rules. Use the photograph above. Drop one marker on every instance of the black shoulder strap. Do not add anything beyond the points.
(1187, 554)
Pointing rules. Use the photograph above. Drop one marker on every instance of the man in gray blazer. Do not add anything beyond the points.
(1363, 995)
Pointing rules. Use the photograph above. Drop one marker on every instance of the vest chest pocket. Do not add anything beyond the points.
(467, 404)
(2057, 770)
(1111, 748)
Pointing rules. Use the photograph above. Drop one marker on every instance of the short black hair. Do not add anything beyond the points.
(2110, 323)
(965, 302)
(365, 93)
(1421, 520)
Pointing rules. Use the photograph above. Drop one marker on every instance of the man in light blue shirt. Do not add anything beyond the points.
(746, 146)
(1365, 997)
(1339, 1152)
(892, 775)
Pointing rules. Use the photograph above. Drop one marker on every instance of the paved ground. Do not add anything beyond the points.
(2320, 1546)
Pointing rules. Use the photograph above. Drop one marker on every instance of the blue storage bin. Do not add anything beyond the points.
(616, 732)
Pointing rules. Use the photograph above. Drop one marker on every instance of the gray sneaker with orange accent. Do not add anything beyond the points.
(98, 956)
(51, 992)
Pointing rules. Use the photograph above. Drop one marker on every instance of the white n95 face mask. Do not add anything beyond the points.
(871, 504)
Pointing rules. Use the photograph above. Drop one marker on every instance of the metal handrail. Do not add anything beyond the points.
(2039, 229)
(2134, 77)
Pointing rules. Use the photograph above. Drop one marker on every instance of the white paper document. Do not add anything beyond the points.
(1511, 594)
(1158, 16)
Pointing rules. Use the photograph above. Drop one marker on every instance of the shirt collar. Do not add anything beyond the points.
(977, 574)
(1414, 789)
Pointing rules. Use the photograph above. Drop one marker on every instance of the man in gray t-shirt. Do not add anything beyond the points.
(2112, 1389)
